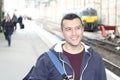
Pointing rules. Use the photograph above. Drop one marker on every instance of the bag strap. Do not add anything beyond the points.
(57, 64)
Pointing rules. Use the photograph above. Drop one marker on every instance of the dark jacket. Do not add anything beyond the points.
(8, 27)
(14, 18)
(20, 19)
(92, 66)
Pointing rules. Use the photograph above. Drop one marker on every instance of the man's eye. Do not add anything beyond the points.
(67, 29)
(78, 27)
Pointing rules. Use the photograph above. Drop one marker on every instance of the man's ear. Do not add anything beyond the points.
(83, 28)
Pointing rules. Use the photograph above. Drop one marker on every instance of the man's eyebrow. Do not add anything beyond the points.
(78, 26)
(71, 26)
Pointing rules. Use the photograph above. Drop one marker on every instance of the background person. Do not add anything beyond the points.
(20, 21)
(14, 19)
(8, 28)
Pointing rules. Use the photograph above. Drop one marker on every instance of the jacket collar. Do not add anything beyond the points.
(58, 46)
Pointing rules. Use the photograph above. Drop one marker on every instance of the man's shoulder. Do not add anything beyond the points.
(95, 53)
(43, 57)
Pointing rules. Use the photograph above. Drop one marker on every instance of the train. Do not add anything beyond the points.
(89, 18)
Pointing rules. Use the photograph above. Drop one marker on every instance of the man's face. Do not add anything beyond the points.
(72, 31)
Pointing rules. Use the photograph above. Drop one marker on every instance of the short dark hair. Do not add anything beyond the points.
(69, 16)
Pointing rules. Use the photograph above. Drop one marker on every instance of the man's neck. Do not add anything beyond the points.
(73, 49)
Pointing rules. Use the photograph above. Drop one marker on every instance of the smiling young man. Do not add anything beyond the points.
(79, 61)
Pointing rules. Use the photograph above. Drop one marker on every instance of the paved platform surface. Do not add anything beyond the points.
(15, 61)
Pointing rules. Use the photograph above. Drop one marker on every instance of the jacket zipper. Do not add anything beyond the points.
(85, 68)
(68, 65)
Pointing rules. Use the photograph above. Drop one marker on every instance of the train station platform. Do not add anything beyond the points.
(16, 60)
(27, 45)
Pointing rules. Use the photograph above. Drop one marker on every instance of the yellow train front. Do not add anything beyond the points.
(90, 19)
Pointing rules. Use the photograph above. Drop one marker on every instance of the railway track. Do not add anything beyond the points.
(111, 57)
(104, 44)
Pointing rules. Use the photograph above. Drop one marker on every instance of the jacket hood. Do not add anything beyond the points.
(58, 47)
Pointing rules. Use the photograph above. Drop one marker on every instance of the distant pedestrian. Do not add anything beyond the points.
(20, 21)
(8, 28)
(15, 19)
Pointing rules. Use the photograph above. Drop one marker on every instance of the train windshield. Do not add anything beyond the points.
(88, 12)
